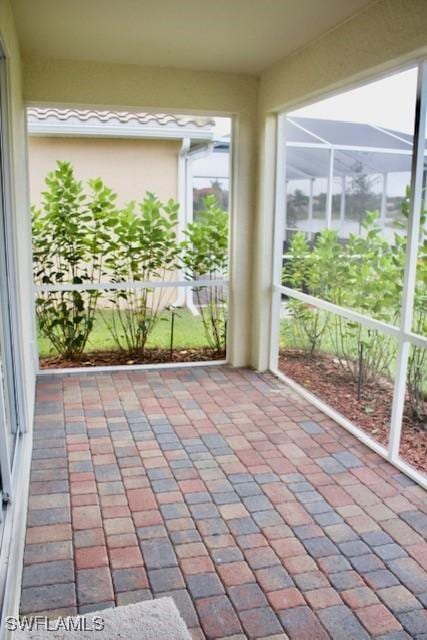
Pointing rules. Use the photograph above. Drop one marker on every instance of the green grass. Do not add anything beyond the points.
(188, 333)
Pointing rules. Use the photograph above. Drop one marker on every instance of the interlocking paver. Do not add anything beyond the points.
(165, 579)
(342, 624)
(126, 580)
(378, 620)
(300, 623)
(46, 573)
(247, 596)
(158, 554)
(235, 573)
(415, 623)
(260, 623)
(218, 617)
(311, 580)
(44, 597)
(273, 578)
(258, 515)
(94, 585)
(399, 599)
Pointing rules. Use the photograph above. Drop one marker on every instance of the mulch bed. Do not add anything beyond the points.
(150, 356)
(324, 376)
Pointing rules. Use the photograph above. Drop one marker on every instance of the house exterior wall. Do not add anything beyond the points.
(379, 39)
(49, 82)
(128, 166)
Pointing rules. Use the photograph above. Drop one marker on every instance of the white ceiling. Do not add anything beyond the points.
(213, 35)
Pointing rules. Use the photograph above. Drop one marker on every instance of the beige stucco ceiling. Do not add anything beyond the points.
(214, 35)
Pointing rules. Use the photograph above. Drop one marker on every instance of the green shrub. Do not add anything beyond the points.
(365, 274)
(143, 248)
(206, 256)
(69, 247)
(359, 275)
(417, 363)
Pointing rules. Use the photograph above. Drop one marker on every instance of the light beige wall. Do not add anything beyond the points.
(16, 162)
(386, 35)
(61, 82)
(128, 166)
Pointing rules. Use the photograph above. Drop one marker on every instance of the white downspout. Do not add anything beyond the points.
(182, 200)
(196, 155)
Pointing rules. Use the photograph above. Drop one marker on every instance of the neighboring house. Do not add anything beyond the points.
(132, 152)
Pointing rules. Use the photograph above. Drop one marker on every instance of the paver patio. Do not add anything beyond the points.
(222, 488)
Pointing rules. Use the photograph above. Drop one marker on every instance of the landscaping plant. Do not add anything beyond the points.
(361, 275)
(70, 238)
(370, 285)
(365, 274)
(143, 248)
(206, 257)
(417, 363)
(300, 272)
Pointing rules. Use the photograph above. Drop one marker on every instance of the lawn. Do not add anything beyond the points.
(188, 333)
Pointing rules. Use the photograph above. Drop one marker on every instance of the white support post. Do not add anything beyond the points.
(384, 200)
(182, 199)
(189, 301)
(278, 238)
(310, 208)
(416, 201)
(342, 203)
(330, 190)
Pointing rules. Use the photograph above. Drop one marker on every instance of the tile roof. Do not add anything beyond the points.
(119, 117)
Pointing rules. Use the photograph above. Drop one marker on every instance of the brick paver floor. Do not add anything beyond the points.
(224, 489)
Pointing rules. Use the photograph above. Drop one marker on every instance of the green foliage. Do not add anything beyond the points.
(69, 246)
(364, 274)
(143, 248)
(417, 363)
(300, 273)
(206, 256)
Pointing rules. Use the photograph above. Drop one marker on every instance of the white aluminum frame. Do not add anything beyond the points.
(129, 284)
(403, 332)
(331, 147)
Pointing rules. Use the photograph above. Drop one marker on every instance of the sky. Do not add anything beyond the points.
(386, 103)
(389, 103)
(222, 126)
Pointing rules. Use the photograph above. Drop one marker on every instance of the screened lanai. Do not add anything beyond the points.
(336, 170)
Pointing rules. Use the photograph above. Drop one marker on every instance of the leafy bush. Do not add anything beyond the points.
(350, 275)
(301, 272)
(69, 246)
(364, 274)
(143, 248)
(417, 363)
(206, 256)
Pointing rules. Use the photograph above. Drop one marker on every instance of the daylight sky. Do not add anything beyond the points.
(387, 103)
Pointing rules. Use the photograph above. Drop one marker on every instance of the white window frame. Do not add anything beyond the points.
(402, 332)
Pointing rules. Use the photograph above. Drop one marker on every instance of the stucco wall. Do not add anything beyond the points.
(379, 39)
(385, 33)
(17, 163)
(129, 166)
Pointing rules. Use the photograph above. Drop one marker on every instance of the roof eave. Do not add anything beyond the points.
(105, 130)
